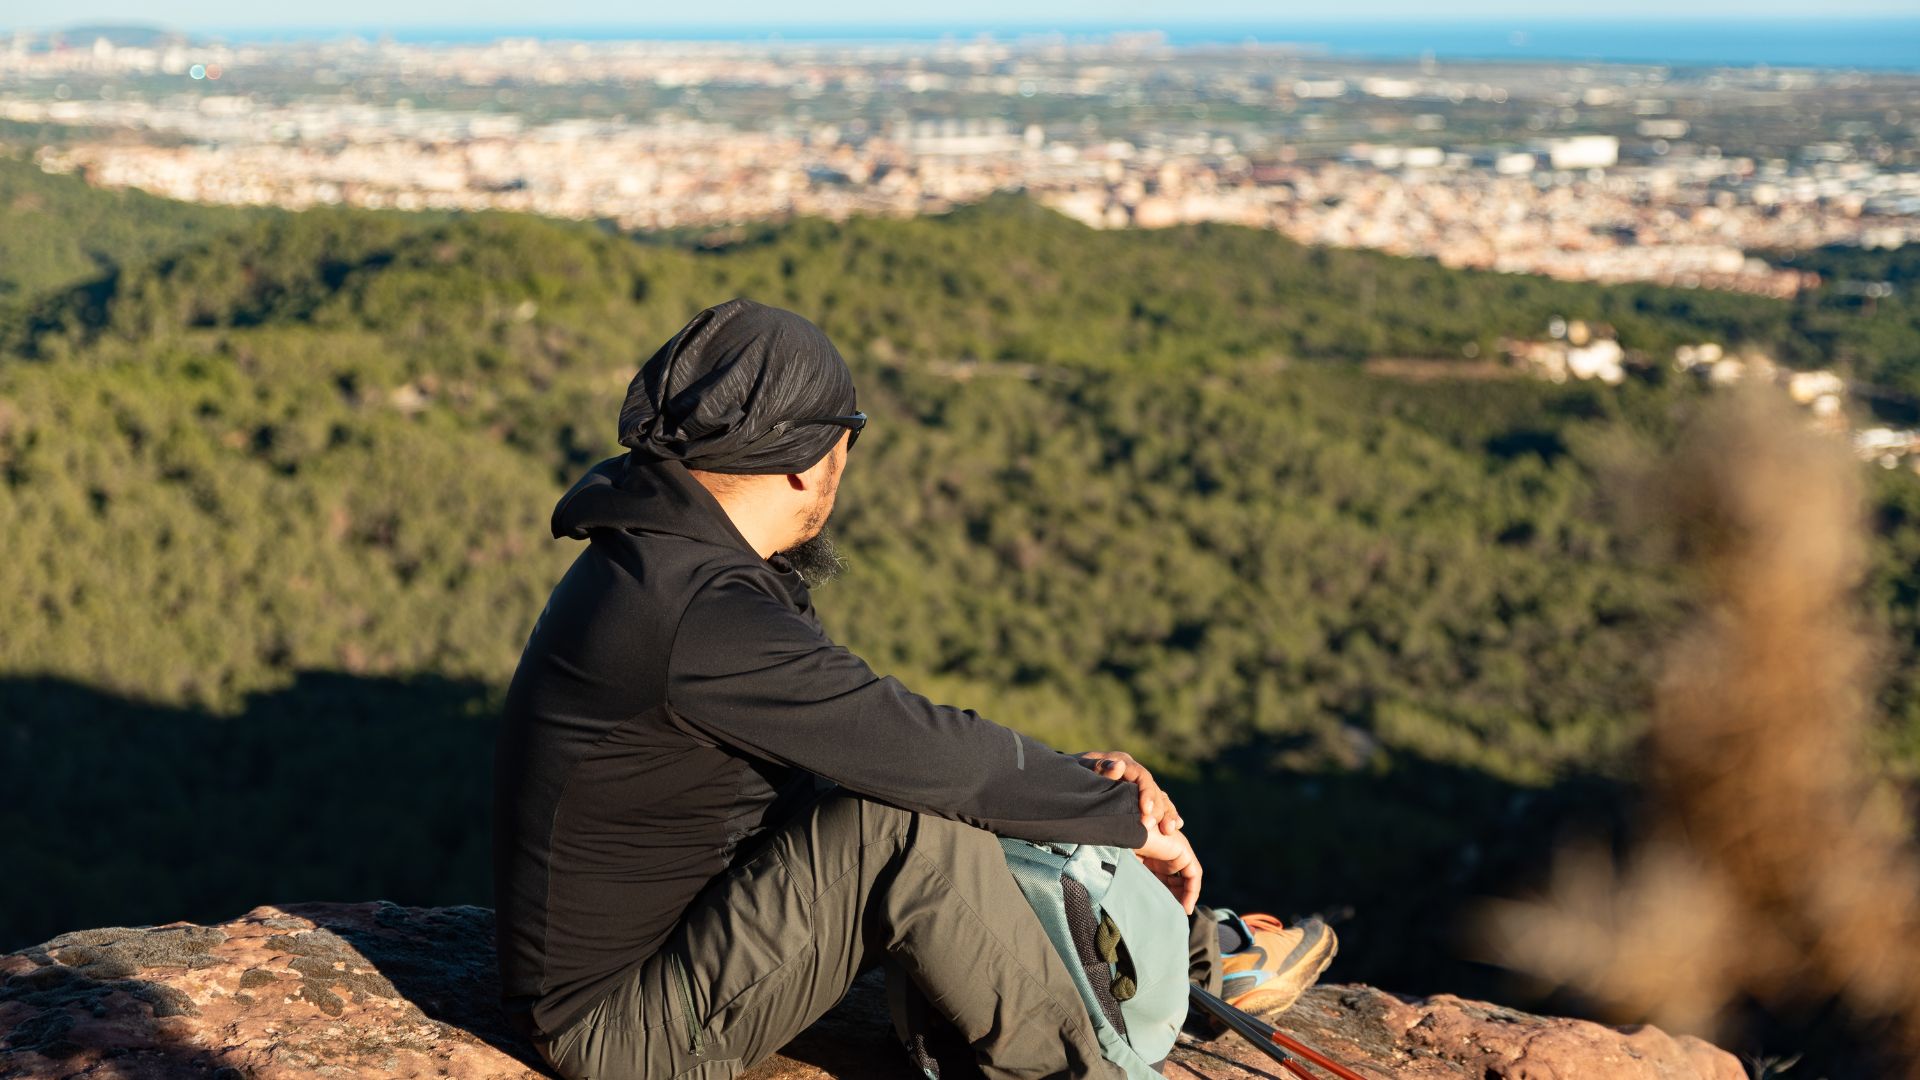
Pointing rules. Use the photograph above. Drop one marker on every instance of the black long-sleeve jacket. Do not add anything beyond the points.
(674, 698)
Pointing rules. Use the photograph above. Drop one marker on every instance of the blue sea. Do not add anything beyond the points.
(1886, 43)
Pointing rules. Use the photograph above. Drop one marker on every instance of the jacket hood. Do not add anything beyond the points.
(644, 497)
(635, 499)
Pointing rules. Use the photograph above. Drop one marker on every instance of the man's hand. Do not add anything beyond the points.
(1171, 859)
(1156, 810)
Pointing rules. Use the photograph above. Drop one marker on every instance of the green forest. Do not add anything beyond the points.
(276, 490)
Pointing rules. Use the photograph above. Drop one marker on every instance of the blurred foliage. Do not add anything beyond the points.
(1876, 337)
(1121, 490)
(54, 231)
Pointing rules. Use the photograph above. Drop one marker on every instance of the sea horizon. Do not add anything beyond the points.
(1866, 42)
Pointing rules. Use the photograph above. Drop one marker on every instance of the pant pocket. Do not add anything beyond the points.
(563, 1051)
(689, 1025)
(733, 968)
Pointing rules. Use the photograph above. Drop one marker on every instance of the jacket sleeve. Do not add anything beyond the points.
(750, 672)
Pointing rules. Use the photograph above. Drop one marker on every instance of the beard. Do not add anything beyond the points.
(815, 559)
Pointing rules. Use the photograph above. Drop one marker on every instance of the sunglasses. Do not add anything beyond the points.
(854, 423)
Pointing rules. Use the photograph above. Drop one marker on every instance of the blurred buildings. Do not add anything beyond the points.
(1600, 172)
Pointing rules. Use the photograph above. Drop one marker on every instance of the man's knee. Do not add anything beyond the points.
(843, 809)
(875, 822)
(956, 832)
(953, 843)
(846, 813)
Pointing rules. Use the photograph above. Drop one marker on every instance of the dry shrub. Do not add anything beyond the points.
(1777, 864)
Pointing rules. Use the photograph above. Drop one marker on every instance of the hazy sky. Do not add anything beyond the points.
(235, 14)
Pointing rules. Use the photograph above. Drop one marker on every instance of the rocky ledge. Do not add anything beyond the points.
(306, 990)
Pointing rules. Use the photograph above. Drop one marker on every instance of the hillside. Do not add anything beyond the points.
(55, 231)
(277, 493)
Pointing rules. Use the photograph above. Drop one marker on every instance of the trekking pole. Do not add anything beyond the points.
(1250, 1029)
(1282, 1047)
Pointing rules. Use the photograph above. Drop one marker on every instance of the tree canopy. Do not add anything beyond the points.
(266, 471)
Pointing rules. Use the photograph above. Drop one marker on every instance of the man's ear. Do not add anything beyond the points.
(816, 474)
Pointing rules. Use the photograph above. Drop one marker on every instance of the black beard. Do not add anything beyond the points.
(816, 560)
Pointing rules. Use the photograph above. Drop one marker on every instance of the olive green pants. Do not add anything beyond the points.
(774, 942)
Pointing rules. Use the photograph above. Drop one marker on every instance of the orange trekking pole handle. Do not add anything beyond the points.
(1283, 1048)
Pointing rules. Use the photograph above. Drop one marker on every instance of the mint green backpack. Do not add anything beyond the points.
(1124, 940)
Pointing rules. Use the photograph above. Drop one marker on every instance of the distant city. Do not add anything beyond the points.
(1591, 171)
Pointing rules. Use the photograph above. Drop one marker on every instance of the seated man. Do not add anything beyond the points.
(709, 818)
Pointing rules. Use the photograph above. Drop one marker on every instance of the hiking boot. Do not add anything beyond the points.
(1277, 963)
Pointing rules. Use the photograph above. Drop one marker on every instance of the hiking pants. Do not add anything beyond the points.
(776, 940)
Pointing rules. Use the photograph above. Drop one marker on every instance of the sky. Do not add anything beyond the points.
(207, 15)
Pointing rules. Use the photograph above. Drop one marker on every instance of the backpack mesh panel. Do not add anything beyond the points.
(1085, 929)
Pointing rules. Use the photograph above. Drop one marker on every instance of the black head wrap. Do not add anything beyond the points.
(709, 396)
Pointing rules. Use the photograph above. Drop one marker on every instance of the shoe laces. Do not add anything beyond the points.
(1262, 923)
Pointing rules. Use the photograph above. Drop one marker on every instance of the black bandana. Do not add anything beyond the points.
(709, 396)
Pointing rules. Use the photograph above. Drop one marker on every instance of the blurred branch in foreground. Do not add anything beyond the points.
(1776, 863)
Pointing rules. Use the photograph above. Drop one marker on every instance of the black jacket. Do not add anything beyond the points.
(675, 697)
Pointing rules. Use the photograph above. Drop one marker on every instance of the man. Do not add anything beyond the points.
(709, 818)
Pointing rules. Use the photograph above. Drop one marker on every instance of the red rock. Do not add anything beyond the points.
(310, 990)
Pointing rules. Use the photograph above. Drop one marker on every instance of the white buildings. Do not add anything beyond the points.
(1808, 387)
(1584, 152)
(1599, 359)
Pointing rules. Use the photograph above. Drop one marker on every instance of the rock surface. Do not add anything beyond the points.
(375, 989)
